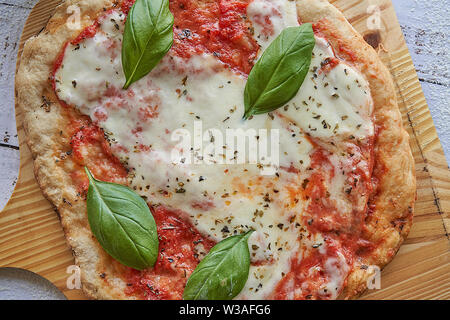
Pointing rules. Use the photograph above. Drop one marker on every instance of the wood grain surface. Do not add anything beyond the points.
(31, 236)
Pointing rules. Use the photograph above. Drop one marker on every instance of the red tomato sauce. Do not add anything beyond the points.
(219, 27)
(180, 247)
(88, 32)
(310, 274)
(328, 64)
(91, 149)
(343, 235)
(56, 66)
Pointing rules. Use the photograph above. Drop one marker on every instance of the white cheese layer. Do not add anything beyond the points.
(220, 198)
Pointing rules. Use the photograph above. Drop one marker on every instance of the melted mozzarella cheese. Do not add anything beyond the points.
(269, 18)
(218, 199)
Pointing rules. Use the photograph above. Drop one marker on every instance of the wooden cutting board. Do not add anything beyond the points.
(31, 236)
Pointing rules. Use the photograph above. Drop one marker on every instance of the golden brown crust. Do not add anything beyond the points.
(388, 224)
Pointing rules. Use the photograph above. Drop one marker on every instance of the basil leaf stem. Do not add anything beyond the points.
(147, 37)
(122, 223)
(223, 272)
(278, 74)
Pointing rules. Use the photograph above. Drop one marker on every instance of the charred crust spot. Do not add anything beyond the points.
(46, 103)
(399, 224)
(66, 202)
(373, 38)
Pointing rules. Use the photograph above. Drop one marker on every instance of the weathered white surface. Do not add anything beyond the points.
(12, 19)
(424, 23)
(25, 285)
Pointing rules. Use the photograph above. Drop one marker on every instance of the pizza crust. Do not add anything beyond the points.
(388, 224)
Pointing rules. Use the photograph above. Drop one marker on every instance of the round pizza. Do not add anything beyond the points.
(217, 149)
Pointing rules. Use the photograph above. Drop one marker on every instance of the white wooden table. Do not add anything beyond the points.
(424, 23)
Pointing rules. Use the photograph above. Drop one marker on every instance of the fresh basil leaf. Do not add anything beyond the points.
(222, 273)
(122, 223)
(147, 37)
(280, 71)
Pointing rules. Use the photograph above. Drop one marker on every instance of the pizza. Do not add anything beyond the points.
(106, 103)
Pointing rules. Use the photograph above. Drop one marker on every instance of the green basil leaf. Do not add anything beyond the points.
(122, 223)
(280, 71)
(222, 273)
(147, 37)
